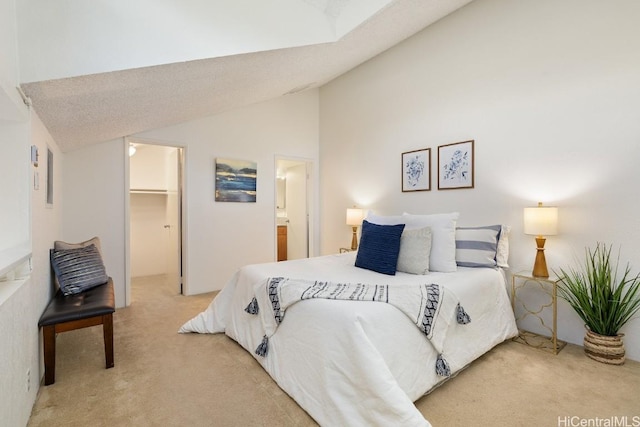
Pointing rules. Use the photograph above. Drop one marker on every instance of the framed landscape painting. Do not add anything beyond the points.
(235, 180)
(416, 170)
(455, 165)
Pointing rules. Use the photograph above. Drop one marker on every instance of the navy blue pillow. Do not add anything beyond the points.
(379, 247)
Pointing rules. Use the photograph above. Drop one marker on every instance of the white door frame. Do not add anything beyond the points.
(127, 212)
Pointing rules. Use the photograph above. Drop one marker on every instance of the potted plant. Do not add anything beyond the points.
(603, 301)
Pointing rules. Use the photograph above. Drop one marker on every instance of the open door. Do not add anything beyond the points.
(174, 219)
(293, 207)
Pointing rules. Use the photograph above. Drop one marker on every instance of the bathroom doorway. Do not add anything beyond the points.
(293, 219)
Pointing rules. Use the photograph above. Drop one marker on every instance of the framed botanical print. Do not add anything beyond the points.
(455, 165)
(416, 170)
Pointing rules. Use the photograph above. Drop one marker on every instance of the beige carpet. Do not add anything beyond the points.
(162, 378)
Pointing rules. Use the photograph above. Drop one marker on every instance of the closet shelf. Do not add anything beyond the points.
(146, 191)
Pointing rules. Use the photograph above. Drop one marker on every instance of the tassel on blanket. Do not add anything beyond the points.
(442, 367)
(252, 308)
(461, 316)
(263, 348)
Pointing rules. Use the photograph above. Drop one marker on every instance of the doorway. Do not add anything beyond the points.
(293, 221)
(155, 216)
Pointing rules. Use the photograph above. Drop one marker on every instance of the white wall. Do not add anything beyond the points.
(149, 246)
(221, 236)
(94, 201)
(11, 106)
(22, 301)
(8, 42)
(549, 91)
(14, 215)
(119, 34)
(148, 168)
(87, 38)
(19, 334)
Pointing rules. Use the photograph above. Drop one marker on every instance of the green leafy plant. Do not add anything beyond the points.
(602, 300)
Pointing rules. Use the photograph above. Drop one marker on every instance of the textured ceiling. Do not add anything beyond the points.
(94, 108)
(331, 8)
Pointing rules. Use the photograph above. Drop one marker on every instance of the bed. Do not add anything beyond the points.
(359, 363)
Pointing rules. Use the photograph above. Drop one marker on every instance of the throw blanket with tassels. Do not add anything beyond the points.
(431, 307)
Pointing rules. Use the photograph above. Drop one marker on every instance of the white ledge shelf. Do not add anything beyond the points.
(147, 191)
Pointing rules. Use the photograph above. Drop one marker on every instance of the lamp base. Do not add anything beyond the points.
(540, 264)
(354, 239)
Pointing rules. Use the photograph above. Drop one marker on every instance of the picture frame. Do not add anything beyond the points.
(416, 170)
(456, 165)
(235, 180)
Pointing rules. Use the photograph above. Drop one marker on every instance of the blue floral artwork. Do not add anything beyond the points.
(455, 163)
(458, 167)
(416, 169)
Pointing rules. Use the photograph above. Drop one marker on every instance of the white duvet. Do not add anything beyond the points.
(355, 363)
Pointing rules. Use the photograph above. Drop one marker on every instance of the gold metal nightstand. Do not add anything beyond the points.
(549, 287)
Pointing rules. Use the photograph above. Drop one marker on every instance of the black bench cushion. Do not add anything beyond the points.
(93, 302)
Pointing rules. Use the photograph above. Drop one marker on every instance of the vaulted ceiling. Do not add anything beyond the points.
(103, 96)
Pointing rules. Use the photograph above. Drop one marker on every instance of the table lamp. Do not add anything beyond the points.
(354, 219)
(540, 221)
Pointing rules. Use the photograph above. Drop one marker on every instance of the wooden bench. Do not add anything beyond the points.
(92, 307)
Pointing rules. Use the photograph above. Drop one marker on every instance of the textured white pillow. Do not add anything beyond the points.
(502, 255)
(443, 238)
(415, 247)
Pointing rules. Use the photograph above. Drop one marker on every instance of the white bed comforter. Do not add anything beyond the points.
(358, 363)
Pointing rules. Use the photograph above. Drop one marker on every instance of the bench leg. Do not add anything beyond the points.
(107, 330)
(49, 345)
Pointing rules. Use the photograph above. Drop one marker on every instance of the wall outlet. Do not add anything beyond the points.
(28, 380)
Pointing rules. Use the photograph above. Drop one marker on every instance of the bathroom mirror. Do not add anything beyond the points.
(281, 190)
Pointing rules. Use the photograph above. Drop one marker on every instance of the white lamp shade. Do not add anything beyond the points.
(541, 220)
(354, 216)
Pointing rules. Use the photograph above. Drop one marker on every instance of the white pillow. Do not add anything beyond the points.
(59, 244)
(384, 220)
(502, 255)
(443, 238)
(415, 247)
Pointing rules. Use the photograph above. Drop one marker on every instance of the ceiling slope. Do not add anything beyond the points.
(94, 108)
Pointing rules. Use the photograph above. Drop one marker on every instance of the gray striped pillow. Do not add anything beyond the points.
(78, 269)
(477, 246)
